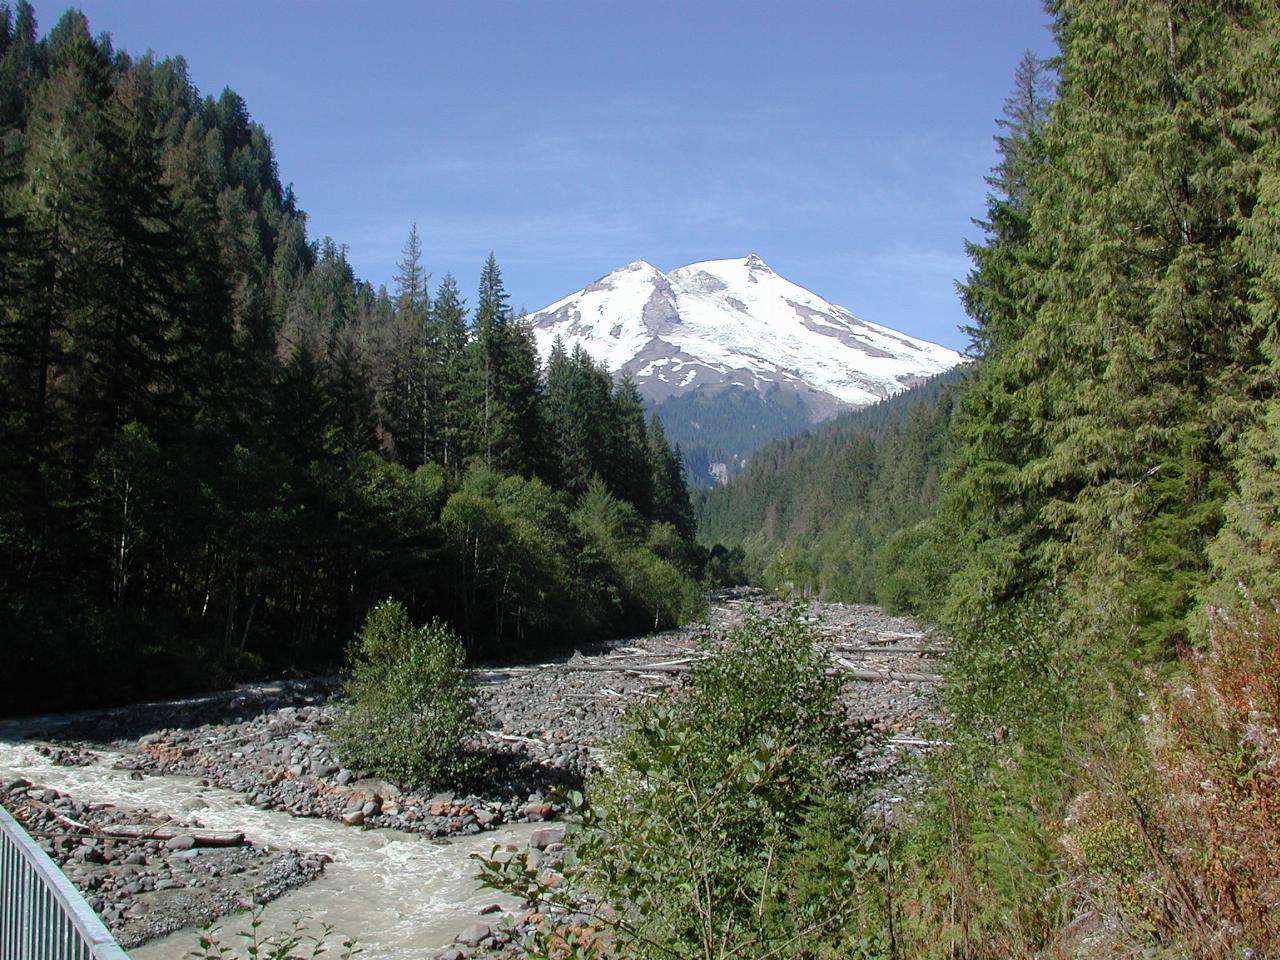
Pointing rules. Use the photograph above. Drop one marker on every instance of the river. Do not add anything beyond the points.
(400, 896)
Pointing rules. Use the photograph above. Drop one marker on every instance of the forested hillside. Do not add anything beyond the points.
(1113, 442)
(218, 447)
(718, 430)
(1109, 444)
(832, 510)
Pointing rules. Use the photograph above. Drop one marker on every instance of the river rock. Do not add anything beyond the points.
(543, 837)
(538, 811)
(551, 715)
(475, 934)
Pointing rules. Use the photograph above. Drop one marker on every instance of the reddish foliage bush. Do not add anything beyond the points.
(1217, 754)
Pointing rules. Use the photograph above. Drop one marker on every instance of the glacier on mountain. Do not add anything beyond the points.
(736, 322)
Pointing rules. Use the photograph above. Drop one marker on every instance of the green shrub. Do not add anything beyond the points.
(409, 717)
(914, 565)
(725, 567)
(510, 539)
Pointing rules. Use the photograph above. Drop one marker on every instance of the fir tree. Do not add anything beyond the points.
(350, 396)
(448, 326)
(577, 409)
(412, 300)
(629, 448)
(408, 385)
(486, 347)
(503, 380)
(22, 67)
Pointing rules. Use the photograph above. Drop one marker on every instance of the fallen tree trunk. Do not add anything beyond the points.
(159, 831)
(894, 637)
(203, 838)
(887, 651)
(639, 669)
(512, 738)
(861, 673)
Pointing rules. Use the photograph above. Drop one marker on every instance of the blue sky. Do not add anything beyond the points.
(843, 142)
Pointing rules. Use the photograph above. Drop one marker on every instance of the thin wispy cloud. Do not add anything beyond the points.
(923, 262)
(846, 145)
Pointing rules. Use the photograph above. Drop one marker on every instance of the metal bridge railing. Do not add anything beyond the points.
(42, 916)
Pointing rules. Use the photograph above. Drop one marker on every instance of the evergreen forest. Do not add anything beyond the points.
(719, 429)
(219, 447)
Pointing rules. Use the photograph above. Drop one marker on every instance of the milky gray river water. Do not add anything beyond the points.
(400, 896)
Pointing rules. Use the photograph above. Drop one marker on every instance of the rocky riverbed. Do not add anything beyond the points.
(541, 723)
(147, 875)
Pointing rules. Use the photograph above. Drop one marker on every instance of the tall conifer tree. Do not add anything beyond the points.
(448, 327)
(503, 392)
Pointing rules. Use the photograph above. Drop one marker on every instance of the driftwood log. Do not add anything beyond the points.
(202, 837)
(887, 651)
(639, 669)
(651, 671)
(160, 831)
(906, 676)
(886, 638)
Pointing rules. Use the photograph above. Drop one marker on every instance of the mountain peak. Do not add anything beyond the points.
(736, 322)
(635, 266)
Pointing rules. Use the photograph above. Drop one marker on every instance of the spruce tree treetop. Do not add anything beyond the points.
(1026, 110)
(412, 299)
(492, 305)
(449, 315)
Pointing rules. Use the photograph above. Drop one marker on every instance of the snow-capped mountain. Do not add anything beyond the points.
(731, 354)
(736, 322)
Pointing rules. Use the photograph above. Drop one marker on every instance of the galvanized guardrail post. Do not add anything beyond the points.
(42, 916)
